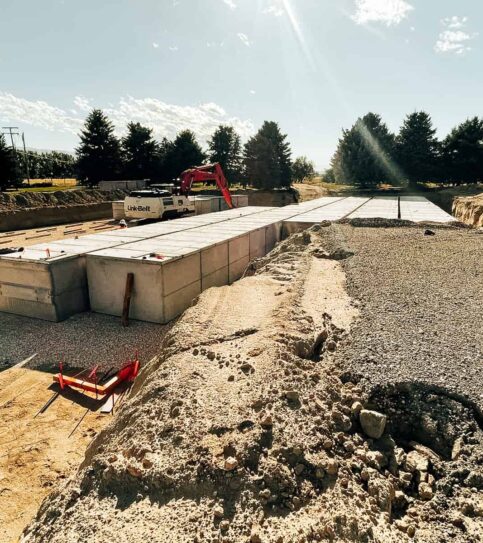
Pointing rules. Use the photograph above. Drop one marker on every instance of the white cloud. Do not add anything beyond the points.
(454, 22)
(253, 92)
(230, 3)
(390, 12)
(166, 120)
(82, 103)
(454, 40)
(244, 39)
(155, 45)
(37, 113)
(274, 10)
(173, 47)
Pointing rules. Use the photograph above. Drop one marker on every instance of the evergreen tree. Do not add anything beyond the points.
(140, 152)
(183, 153)
(9, 166)
(365, 154)
(98, 156)
(417, 148)
(463, 152)
(225, 148)
(302, 169)
(267, 158)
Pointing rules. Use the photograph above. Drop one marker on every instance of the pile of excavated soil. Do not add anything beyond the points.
(469, 210)
(309, 192)
(242, 430)
(33, 200)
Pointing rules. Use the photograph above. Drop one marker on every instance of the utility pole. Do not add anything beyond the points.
(26, 158)
(12, 134)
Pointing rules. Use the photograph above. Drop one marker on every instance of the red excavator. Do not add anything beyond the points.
(162, 201)
(209, 172)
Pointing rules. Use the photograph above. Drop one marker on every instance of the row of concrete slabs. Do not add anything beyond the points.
(411, 208)
(170, 271)
(49, 280)
(172, 262)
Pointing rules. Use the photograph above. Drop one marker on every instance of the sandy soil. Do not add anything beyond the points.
(246, 430)
(309, 192)
(469, 210)
(36, 453)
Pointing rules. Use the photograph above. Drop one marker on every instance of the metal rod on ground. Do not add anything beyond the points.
(127, 299)
(48, 403)
(80, 420)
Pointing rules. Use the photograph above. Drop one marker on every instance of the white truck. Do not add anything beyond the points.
(155, 203)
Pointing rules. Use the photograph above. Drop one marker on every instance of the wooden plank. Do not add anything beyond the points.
(127, 299)
(108, 406)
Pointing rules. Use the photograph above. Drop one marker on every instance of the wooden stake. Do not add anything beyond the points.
(127, 299)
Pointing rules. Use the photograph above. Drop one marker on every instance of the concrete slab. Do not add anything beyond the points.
(420, 209)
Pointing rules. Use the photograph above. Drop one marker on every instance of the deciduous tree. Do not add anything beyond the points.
(302, 169)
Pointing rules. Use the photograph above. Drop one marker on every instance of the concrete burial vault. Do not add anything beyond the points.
(173, 261)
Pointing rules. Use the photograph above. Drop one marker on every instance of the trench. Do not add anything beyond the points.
(425, 414)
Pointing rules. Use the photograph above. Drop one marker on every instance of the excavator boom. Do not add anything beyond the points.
(208, 172)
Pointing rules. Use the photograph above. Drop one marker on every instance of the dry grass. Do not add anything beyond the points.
(55, 182)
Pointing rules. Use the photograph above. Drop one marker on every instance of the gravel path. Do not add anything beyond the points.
(84, 340)
(421, 308)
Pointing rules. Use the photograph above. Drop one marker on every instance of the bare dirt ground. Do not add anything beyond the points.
(310, 192)
(31, 200)
(24, 238)
(253, 425)
(469, 210)
(36, 453)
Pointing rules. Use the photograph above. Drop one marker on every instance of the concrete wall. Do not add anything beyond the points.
(49, 216)
(127, 184)
(118, 210)
(51, 291)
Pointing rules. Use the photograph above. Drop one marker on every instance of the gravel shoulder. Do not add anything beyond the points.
(421, 298)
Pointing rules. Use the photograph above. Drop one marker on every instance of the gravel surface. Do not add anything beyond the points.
(421, 299)
(85, 340)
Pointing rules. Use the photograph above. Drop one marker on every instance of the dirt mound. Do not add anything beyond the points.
(469, 210)
(242, 431)
(35, 200)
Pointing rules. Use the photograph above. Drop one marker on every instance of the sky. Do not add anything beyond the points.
(313, 66)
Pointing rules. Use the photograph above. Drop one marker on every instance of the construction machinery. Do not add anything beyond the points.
(164, 201)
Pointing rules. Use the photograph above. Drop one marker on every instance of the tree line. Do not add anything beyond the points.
(16, 165)
(263, 162)
(369, 153)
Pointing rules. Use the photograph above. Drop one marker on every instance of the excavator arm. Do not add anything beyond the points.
(209, 172)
